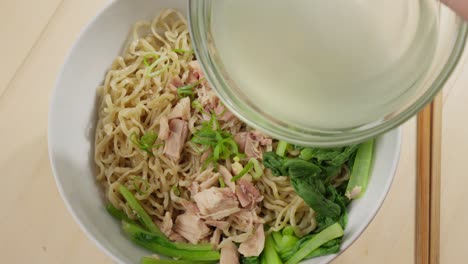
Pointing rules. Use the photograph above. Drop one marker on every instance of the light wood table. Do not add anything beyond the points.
(35, 227)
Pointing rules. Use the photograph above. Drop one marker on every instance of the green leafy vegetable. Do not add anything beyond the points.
(142, 216)
(150, 260)
(163, 246)
(332, 232)
(250, 260)
(146, 142)
(311, 176)
(312, 191)
(182, 51)
(187, 90)
(274, 162)
(333, 156)
(360, 173)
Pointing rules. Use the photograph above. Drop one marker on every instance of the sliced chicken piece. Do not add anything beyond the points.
(191, 227)
(196, 72)
(241, 140)
(244, 220)
(247, 194)
(194, 188)
(166, 225)
(223, 113)
(177, 238)
(252, 148)
(206, 154)
(204, 175)
(175, 83)
(223, 225)
(164, 128)
(216, 237)
(181, 110)
(253, 246)
(216, 203)
(190, 207)
(227, 176)
(251, 143)
(176, 140)
(229, 254)
(261, 138)
(210, 182)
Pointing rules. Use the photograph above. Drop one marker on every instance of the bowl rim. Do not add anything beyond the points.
(53, 100)
(107, 250)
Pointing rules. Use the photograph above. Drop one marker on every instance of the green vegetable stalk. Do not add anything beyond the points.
(269, 254)
(360, 173)
(149, 260)
(164, 247)
(332, 232)
(282, 148)
(118, 214)
(143, 217)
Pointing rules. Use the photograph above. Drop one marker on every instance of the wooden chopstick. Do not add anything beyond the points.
(429, 137)
(436, 174)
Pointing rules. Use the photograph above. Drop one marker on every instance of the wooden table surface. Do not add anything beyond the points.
(35, 226)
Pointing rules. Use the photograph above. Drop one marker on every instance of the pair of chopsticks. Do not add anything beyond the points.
(429, 137)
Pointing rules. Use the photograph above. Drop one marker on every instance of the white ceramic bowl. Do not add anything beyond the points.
(72, 119)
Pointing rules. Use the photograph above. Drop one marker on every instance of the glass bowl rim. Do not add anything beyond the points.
(198, 22)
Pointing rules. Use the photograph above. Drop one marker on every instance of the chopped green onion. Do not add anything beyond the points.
(181, 51)
(222, 184)
(244, 171)
(258, 170)
(145, 59)
(150, 67)
(136, 180)
(146, 142)
(176, 190)
(187, 90)
(222, 143)
(158, 72)
(197, 105)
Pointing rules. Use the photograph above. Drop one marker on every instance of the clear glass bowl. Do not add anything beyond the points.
(449, 50)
